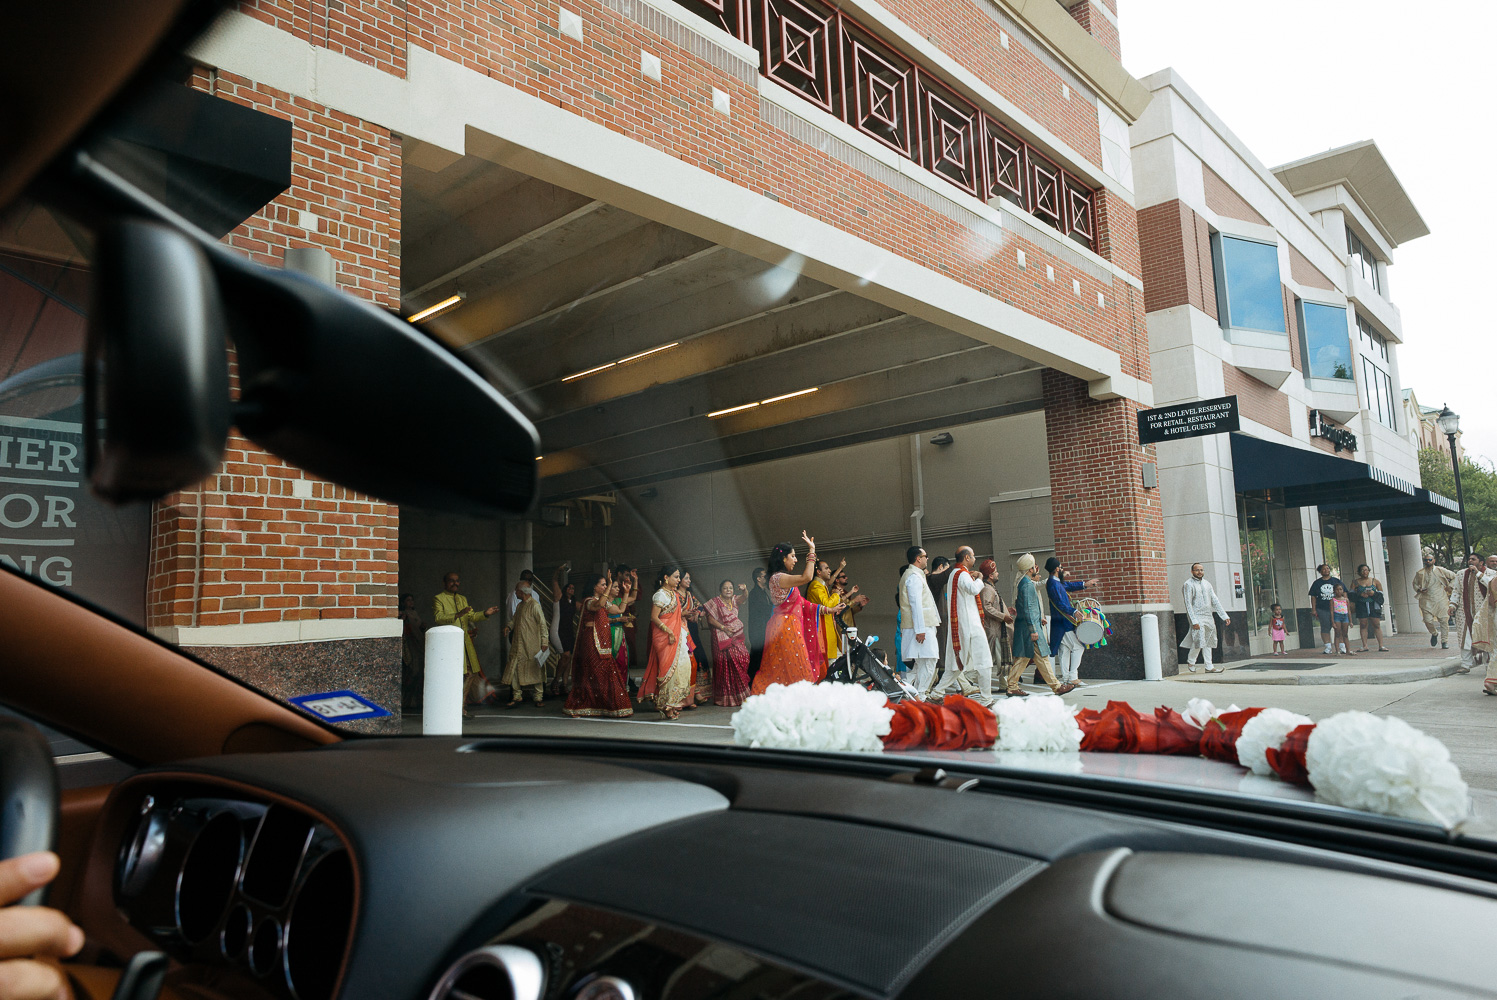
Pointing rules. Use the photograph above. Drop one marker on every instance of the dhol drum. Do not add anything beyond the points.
(1089, 626)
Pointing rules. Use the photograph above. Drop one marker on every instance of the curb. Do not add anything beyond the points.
(1406, 675)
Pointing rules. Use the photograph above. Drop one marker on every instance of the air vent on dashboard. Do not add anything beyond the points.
(498, 972)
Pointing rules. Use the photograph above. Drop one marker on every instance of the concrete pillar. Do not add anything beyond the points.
(1403, 562)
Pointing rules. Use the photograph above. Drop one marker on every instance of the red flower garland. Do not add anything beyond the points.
(1288, 759)
(957, 723)
(1219, 738)
(1119, 728)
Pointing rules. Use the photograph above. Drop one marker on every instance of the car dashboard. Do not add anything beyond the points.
(456, 869)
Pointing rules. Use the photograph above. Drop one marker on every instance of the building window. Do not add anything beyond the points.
(1374, 342)
(1377, 393)
(1362, 259)
(1327, 345)
(1255, 532)
(1248, 292)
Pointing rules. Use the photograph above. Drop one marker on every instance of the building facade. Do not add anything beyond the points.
(742, 263)
(1423, 423)
(1272, 286)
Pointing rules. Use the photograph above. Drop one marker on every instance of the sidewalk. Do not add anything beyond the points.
(1409, 658)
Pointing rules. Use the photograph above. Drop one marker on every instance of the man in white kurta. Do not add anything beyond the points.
(969, 658)
(1434, 588)
(1202, 607)
(1471, 586)
(918, 621)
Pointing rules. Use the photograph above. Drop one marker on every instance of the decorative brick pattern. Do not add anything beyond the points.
(1106, 524)
(1306, 273)
(1257, 400)
(1223, 200)
(372, 31)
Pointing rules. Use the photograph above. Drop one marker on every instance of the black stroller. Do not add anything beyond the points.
(862, 665)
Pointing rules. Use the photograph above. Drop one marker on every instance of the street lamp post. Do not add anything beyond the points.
(1450, 423)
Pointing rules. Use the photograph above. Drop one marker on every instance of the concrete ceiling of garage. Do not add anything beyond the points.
(558, 284)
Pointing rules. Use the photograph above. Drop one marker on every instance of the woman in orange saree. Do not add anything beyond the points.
(787, 646)
(668, 675)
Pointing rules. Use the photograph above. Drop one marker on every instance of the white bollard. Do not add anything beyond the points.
(442, 711)
(1148, 624)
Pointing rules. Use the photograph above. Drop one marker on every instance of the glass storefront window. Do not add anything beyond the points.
(1249, 293)
(51, 527)
(1327, 341)
(1256, 536)
(1329, 549)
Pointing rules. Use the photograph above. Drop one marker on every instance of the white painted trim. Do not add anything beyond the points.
(735, 47)
(36, 423)
(280, 633)
(458, 109)
(1042, 491)
(1139, 608)
(970, 85)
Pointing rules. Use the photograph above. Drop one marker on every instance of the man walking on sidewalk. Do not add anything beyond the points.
(969, 658)
(919, 621)
(1434, 587)
(1202, 606)
(1471, 587)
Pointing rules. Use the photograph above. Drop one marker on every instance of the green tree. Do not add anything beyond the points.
(1478, 486)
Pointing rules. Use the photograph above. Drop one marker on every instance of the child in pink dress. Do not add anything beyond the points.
(1276, 631)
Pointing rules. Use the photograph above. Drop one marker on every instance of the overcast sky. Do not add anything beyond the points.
(1296, 77)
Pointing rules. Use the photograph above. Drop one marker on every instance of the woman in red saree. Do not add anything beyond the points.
(597, 687)
(787, 638)
(668, 675)
(730, 680)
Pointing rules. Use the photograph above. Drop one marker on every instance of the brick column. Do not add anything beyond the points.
(1107, 525)
(282, 579)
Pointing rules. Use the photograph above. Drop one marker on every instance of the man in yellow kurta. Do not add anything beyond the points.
(820, 592)
(526, 670)
(451, 608)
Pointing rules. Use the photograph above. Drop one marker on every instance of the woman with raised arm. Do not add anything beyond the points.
(668, 675)
(597, 687)
(787, 651)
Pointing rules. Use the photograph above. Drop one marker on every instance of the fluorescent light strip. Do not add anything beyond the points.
(762, 402)
(732, 409)
(446, 305)
(789, 395)
(590, 371)
(621, 361)
(646, 354)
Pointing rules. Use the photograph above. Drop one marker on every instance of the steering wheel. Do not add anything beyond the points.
(28, 794)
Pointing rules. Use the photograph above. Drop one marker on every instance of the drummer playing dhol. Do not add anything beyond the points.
(1065, 647)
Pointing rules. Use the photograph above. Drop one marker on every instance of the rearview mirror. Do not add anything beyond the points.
(329, 382)
(156, 400)
(356, 395)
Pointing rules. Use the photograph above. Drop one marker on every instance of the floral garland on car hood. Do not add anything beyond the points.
(1353, 759)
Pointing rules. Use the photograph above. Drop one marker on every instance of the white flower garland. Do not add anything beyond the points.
(1385, 765)
(806, 716)
(1266, 729)
(1036, 724)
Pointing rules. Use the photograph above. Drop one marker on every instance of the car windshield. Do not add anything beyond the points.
(932, 354)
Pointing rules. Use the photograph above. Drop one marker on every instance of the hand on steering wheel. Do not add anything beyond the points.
(29, 934)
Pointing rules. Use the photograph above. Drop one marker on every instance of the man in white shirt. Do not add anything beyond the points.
(918, 619)
(969, 659)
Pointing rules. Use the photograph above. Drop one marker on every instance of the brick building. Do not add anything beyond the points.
(1272, 285)
(870, 269)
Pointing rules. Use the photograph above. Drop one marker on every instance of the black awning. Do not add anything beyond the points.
(213, 161)
(1308, 477)
(1424, 505)
(1426, 524)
